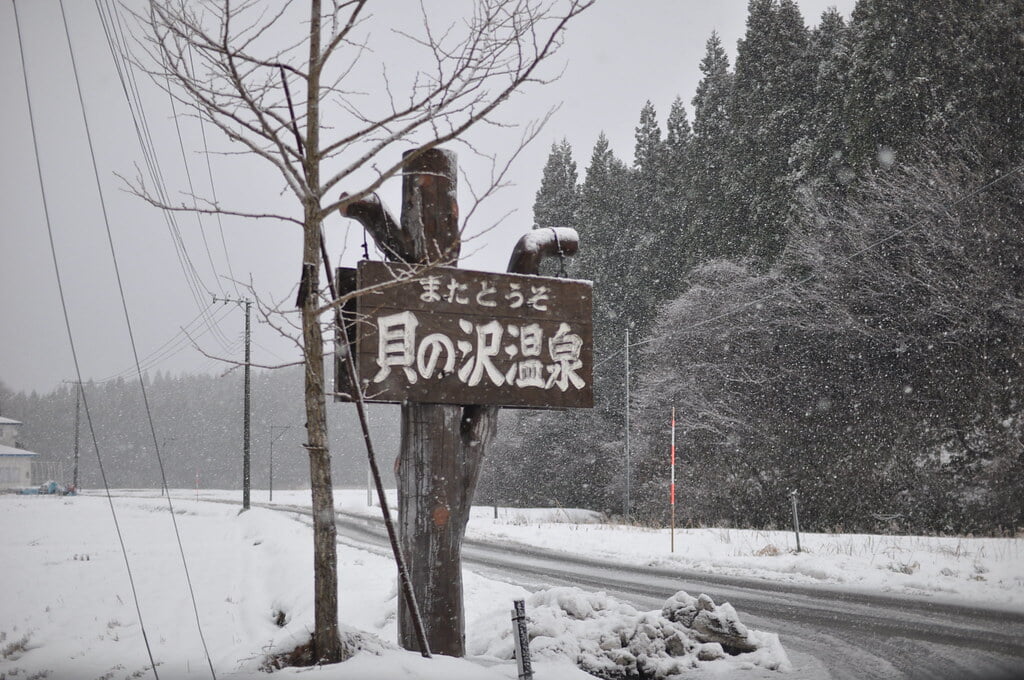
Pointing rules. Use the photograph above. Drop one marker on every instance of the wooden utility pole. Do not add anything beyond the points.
(629, 472)
(78, 420)
(247, 416)
(442, 444)
(246, 407)
(672, 479)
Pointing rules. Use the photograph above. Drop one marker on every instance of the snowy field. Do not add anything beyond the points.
(67, 609)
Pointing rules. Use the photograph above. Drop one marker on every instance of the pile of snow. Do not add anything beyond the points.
(610, 639)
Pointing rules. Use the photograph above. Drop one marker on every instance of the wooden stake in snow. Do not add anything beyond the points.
(672, 482)
(521, 640)
(796, 518)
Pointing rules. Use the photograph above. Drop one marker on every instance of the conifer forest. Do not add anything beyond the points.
(820, 269)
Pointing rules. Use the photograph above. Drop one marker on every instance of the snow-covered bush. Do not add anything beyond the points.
(613, 640)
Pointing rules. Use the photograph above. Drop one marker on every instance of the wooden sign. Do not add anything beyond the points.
(453, 336)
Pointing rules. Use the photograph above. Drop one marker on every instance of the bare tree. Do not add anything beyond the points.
(226, 61)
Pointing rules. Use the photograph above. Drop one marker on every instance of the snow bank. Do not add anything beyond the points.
(952, 569)
(613, 640)
(67, 610)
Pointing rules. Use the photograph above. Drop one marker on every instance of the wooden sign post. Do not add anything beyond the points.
(457, 345)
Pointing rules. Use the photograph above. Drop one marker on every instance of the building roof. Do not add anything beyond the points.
(9, 421)
(11, 451)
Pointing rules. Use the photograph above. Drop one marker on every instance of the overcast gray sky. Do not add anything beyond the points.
(617, 55)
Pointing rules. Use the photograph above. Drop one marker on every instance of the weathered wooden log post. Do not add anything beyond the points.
(443, 445)
(437, 470)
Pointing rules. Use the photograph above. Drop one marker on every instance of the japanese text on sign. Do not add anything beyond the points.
(398, 349)
(457, 336)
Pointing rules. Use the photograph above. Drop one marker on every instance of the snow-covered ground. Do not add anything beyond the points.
(66, 608)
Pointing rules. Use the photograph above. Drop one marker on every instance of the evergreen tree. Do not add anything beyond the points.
(680, 253)
(824, 151)
(558, 197)
(646, 246)
(794, 381)
(677, 140)
(582, 444)
(922, 70)
(708, 211)
(647, 150)
(769, 108)
(604, 201)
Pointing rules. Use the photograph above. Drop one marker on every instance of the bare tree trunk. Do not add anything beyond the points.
(327, 645)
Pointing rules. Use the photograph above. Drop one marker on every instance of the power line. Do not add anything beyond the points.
(148, 152)
(179, 342)
(213, 186)
(114, 33)
(191, 188)
(71, 342)
(131, 336)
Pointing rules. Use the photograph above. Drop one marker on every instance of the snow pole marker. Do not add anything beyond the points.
(796, 518)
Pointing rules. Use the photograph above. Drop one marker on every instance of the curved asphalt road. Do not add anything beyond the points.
(828, 633)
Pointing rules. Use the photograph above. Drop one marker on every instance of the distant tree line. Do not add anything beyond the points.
(822, 272)
(198, 421)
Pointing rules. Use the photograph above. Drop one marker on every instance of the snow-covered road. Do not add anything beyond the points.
(827, 631)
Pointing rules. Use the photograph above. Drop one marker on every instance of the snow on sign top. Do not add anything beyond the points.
(453, 336)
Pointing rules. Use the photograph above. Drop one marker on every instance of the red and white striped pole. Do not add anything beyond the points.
(672, 483)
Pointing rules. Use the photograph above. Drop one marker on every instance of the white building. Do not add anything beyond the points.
(9, 431)
(15, 463)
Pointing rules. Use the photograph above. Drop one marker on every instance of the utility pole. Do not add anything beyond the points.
(78, 407)
(628, 462)
(163, 482)
(246, 408)
(672, 480)
(272, 440)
